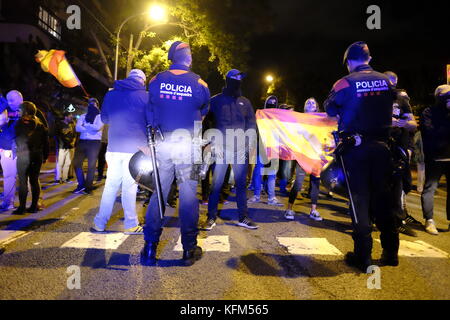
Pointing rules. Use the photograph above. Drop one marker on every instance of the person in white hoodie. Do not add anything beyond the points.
(90, 127)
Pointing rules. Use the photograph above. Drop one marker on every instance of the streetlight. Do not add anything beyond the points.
(156, 13)
(269, 78)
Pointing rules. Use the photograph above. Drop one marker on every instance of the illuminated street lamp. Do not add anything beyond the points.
(269, 78)
(155, 13)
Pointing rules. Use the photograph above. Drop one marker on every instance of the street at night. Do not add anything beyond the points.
(238, 264)
(225, 159)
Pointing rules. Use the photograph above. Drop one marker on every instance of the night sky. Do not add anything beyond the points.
(309, 38)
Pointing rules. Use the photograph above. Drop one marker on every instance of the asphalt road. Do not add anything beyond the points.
(239, 264)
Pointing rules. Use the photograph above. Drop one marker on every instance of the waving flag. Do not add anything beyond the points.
(304, 137)
(55, 62)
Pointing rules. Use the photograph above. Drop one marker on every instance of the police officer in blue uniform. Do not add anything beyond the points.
(363, 101)
(178, 102)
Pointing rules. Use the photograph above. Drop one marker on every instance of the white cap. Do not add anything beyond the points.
(136, 73)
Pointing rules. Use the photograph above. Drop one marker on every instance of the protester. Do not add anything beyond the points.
(8, 156)
(32, 152)
(123, 111)
(66, 136)
(231, 111)
(269, 171)
(90, 127)
(311, 106)
(435, 128)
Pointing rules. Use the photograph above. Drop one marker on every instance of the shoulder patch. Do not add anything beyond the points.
(178, 72)
(203, 83)
(340, 85)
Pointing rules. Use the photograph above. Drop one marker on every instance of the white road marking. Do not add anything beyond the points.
(8, 236)
(309, 246)
(419, 249)
(88, 240)
(211, 243)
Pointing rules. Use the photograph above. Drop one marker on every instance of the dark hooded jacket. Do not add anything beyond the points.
(124, 111)
(31, 136)
(435, 129)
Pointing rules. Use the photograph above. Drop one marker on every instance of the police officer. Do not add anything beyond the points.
(363, 103)
(177, 99)
(403, 125)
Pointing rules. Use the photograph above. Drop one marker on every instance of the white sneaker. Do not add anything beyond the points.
(254, 199)
(430, 227)
(315, 215)
(274, 202)
(289, 214)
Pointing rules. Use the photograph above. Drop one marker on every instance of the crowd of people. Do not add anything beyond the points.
(380, 124)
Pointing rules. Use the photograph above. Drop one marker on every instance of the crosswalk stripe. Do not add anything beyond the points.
(308, 246)
(88, 240)
(211, 243)
(419, 249)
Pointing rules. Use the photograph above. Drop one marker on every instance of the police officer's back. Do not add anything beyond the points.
(177, 98)
(363, 102)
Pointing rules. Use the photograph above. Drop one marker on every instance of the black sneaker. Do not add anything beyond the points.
(209, 224)
(191, 256)
(247, 223)
(79, 190)
(32, 209)
(405, 229)
(19, 211)
(353, 261)
(410, 220)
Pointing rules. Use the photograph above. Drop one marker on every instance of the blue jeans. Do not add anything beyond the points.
(433, 173)
(285, 173)
(174, 160)
(257, 178)
(240, 176)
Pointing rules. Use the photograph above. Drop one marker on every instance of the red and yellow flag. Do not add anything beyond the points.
(304, 137)
(55, 62)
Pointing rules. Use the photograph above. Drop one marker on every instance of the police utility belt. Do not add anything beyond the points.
(345, 140)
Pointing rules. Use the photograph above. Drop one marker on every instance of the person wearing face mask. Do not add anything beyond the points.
(435, 129)
(363, 102)
(232, 112)
(271, 102)
(90, 127)
(311, 106)
(32, 152)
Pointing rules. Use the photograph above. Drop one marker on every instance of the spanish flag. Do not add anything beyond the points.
(55, 62)
(304, 137)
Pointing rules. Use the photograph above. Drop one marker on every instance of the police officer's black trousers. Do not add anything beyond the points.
(369, 168)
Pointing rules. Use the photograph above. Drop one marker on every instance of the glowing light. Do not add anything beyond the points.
(157, 13)
(269, 78)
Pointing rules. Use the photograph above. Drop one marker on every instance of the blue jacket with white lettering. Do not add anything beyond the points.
(178, 98)
(363, 101)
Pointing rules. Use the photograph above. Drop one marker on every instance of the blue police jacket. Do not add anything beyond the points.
(363, 101)
(177, 98)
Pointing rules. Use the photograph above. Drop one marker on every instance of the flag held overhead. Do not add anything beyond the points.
(55, 62)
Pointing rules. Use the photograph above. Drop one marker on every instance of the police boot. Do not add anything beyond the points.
(352, 260)
(389, 258)
(148, 254)
(190, 256)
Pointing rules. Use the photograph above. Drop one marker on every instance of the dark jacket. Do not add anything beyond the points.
(177, 98)
(363, 100)
(31, 136)
(124, 111)
(435, 129)
(66, 135)
(8, 135)
(228, 112)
